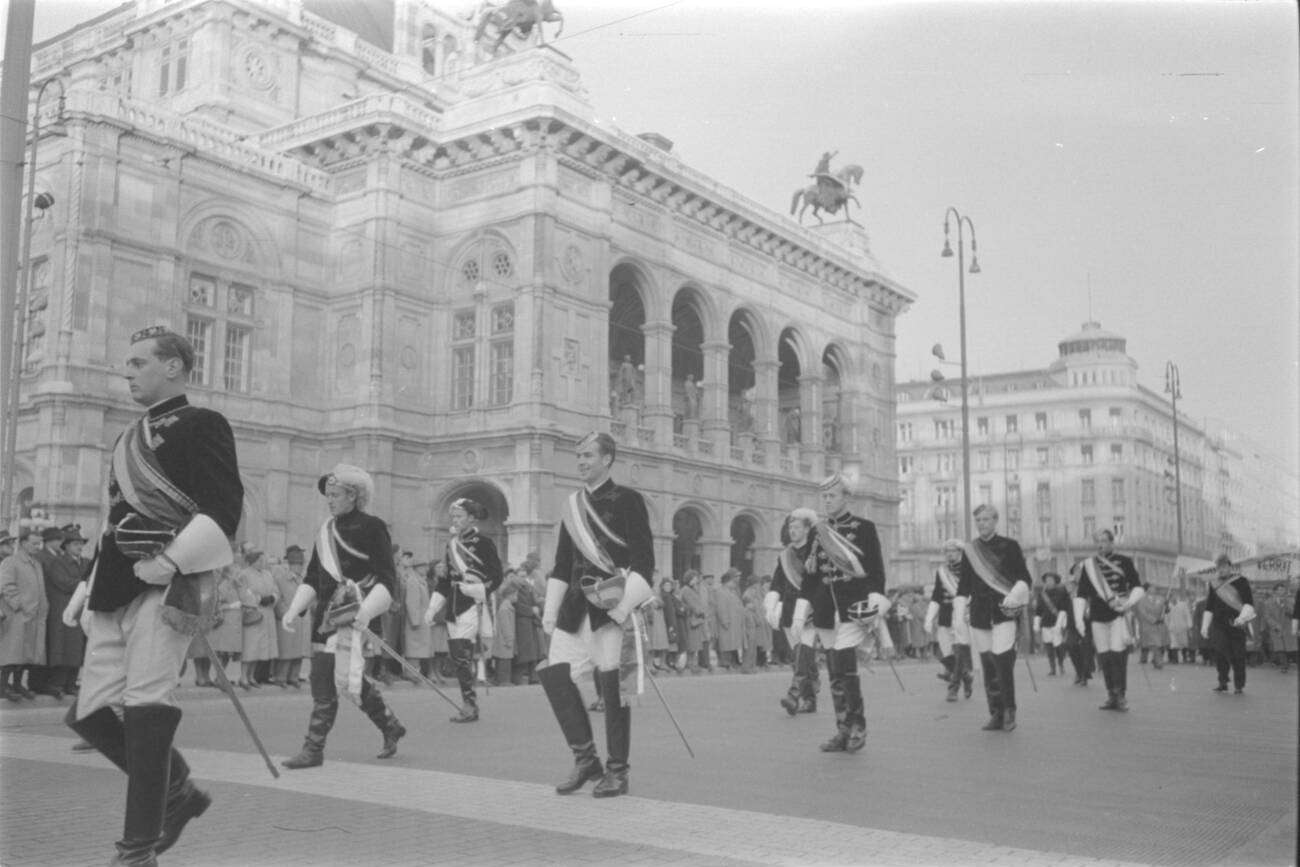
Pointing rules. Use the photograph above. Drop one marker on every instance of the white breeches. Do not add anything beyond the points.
(999, 639)
(846, 634)
(1112, 636)
(466, 625)
(584, 650)
(805, 635)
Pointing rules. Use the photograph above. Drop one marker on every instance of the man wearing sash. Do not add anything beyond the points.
(473, 574)
(953, 635)
(350, 578)
(790, 583)
(603, 560)
(174, 499)
(993, 590)
(1108, 588)
(849, 592)
(1229, 610)
(1050, 619)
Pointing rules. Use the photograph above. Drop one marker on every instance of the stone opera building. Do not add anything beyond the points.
(393, 247)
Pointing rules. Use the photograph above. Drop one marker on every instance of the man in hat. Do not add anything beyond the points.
(350, 578)
(953, 635)
(64, 645)
(23, 606)
(175, 498)
(992, 592)
(847, 596)
(292, 646)
(1109, 587)
(39, 676)
(1229, 610)
(6, 544)
(605, 542)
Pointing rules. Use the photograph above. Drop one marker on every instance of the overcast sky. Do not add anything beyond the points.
(1148, 150)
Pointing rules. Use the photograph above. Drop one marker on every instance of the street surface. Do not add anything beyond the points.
(1187, 777)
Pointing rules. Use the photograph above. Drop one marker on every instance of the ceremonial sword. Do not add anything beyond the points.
(659, 693)
(401, 660)
(229, 690)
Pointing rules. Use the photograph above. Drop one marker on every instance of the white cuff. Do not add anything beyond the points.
(1038, 623)
(377, 601)
(72, 613)
(1018, 596)
(199, 547)
(303, 597)
(801, 610)
(475, 590)
(436, 601)
(931, 614)
(879, 602)
(1134, 597)
(555, 591)
(1206, 619)
(635, 591)
(1247, 614)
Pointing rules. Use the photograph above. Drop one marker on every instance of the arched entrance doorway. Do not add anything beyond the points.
(687, 550)
(744, 533)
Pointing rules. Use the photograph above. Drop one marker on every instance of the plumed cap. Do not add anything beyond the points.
(348, 476)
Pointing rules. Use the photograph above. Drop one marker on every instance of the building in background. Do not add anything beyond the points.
(393, 247)
(1075, 447)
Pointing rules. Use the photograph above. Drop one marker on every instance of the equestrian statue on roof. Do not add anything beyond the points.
(830, 193)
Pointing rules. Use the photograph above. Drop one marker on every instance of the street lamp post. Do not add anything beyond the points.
(13, 384)
(961, 301)
(1173, 388)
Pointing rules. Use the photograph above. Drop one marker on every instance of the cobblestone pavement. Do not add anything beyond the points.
(1187, 777)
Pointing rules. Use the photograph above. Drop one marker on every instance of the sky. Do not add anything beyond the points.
(1133, 163)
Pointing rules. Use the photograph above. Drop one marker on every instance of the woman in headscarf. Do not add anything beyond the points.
(257, 596)
(473, 573)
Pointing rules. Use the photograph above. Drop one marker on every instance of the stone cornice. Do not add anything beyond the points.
(400, 125)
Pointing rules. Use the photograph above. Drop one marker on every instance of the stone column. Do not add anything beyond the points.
(810, 408)
(766, 421)
(713, 396)
(658, 380)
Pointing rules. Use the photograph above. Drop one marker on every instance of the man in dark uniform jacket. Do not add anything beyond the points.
(174, 499)
(352, 562)
(1108, 587)
(604, 537)
(952, 635)
(993, 591)
(1051, 615)
(791, 582)
(850, 570)
(1229, 609)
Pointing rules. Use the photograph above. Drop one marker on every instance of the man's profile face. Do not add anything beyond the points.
(798, 530)
(953, 555)
(340, 499)
(147, 375)
(1105, 544)
(834, 500)
(986, 522)
(593, 465)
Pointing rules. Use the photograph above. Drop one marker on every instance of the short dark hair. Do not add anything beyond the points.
(1110, 537)
(605, 443)
(169, 344)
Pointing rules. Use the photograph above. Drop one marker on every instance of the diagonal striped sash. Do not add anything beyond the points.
(792, 566)
(586, 529)
(843, 554)
(986, 571)
(143, 484)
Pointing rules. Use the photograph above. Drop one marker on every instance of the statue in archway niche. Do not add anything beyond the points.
(626, 382)
(831, 191)
(691, 390)
(748, 397)
(794, 427)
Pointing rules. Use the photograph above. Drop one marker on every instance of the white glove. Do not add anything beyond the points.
(1080, 608)
(303, 597)
(961, 609)
(1018, 597)
(1295, 627)
(1134, 597)
(72, 613)
(1247, 614)
(436, 601)
(772, 609)
(377, 601)
(555, 591)
(1060, 620)
(1038, 623)
(802, 609)
(1206, 618)
(475, 590)
(879, 602)
(931, 616)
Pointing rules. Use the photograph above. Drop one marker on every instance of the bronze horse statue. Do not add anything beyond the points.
(829, 194)
(519, 17)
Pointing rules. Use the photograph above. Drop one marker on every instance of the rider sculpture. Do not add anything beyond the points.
(830, 193)
(517, 17)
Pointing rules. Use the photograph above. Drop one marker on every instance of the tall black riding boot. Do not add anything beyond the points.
(312, 754)
(791, 699)
(967, 666)
(618, 737)
(811, 683)
(948, 664)
(1109, 662)
(854, 710)
(575, 725)
(185, 801)
(149, 730)
(840, 701)
(1006, 663)
(1121, 681)
(462, 653)
(374, 707)
(991, 692)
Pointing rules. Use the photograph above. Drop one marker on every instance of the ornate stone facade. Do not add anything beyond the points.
(433, 264)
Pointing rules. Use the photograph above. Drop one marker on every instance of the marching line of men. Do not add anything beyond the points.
(175, 500)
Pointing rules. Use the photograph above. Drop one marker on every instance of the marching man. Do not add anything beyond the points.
(790, 583)
(174, 497)
(953, 634)
(350, 579)
(1108, 590)
(1229, 610)
(993, 590)
(603, 559)
(849, 594)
